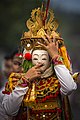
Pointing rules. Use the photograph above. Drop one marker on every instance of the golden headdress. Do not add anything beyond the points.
(43, 21)
(38, 26)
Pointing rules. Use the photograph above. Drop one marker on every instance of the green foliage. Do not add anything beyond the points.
(27, 64)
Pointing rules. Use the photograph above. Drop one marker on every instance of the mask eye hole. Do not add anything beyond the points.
(43, 58)
(35, 59)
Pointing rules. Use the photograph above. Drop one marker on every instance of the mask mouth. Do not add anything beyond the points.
(42, 65)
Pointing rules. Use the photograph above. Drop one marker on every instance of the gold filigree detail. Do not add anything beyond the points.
(41, 106)
(37, 28)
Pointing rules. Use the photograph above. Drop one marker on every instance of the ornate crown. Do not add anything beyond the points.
(38, 26)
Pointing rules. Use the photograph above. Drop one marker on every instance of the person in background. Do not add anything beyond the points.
(7, 66)
(7, 63)
(17, 62)
(12, 63)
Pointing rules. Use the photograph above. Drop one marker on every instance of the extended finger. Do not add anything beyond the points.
(56, 44)
(44, 46)
(54, 40)
(38, 66)
(47, 36)
(46, 41)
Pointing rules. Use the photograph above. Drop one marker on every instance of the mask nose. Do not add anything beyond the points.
(39, 61)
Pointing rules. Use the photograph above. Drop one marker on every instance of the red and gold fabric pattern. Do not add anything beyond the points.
(46, 104)
(58, 60)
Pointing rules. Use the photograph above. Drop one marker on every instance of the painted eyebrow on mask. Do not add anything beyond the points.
(41, 54)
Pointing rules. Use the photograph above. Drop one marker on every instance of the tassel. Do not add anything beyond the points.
(63, 53)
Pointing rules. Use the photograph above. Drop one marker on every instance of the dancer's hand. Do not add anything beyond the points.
(51, 46)
(33, 73)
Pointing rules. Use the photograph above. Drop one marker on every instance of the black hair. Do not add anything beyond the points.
(11, 55)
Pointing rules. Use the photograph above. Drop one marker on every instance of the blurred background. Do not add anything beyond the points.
(13, 15)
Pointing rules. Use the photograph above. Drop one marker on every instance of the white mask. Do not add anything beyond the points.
(41, 57)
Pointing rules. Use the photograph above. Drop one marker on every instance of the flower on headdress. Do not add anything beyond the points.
(20, 55)
(28, 56)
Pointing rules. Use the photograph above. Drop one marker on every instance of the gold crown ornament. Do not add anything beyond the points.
(38, 26)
